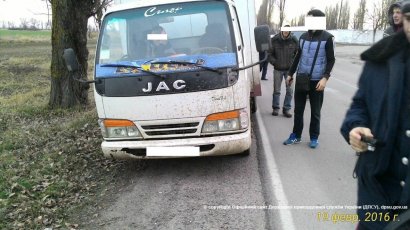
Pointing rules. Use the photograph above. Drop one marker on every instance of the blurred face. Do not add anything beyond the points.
(406, 26)
(397, 17)
(285, 33)
(160, 42)
(313, 31)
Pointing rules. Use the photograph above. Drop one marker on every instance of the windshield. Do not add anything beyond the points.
(194, 32)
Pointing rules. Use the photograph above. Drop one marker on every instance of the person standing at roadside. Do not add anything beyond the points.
(314, 62)
(395, 19)
(284, 48)
(380, 111)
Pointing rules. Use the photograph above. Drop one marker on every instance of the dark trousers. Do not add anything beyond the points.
(316, 101)
(264, 68)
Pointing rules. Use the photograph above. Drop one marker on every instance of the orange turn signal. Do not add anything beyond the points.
(118, 123)
(223, 116)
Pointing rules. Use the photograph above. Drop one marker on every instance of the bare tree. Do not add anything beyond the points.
(65, 91)
(358, 19)
(265, 12)
(48, 4)
(34, 24)
(99, 11)
(338, 16)
(281, 4)
(301, 20)
(11, 25)
(344, 16)
(298, 21)
(332, 13)
(376, 17)
(24, 23)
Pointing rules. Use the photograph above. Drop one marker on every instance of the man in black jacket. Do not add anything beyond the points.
(284, 48)
(319, 44)
(381, 110)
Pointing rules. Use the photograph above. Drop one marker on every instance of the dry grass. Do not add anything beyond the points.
(50, 160)
(25, 35)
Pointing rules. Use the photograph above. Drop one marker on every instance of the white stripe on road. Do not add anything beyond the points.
(345, 83)
(285, 215)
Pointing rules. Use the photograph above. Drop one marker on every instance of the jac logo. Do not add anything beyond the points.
(162, 86)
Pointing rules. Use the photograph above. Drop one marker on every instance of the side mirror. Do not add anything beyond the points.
(262, 38)
(70, 60)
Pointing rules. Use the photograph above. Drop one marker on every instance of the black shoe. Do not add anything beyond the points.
(287, 114)
(275, 112)
(265, 79)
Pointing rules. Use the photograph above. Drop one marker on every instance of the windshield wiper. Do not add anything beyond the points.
(188, 63)
(131, 66)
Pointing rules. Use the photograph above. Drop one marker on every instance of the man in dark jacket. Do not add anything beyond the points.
(284, 48)
(395, 19)
(160, 48)
(381, 110)
(319, 44)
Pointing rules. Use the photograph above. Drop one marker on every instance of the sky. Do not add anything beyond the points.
(294, 8)
(14, 10)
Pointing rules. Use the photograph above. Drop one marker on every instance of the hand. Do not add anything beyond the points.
(321, 85)
(289, 80)
(355, 137)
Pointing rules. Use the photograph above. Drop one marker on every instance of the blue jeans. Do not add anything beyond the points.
(316, 102)
(278, 76)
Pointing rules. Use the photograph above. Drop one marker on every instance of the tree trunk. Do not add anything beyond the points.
(69, 30)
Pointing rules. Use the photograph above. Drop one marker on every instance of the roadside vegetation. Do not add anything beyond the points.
(50, 160)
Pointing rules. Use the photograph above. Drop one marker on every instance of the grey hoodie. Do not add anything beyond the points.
(392, 28)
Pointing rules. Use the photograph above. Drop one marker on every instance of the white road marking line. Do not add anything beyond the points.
(345, 83)
(285, 215)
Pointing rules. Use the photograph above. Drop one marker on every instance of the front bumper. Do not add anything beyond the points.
(209, 146)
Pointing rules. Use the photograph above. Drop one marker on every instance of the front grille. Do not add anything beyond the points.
(171, 126)
(163, 130)
(171, 132)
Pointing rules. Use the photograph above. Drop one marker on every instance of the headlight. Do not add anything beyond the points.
(118, 129)
(227, 121)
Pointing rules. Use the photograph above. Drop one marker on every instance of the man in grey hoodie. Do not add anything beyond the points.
(395, 19)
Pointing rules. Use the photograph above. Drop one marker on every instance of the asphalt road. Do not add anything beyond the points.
(276, 187)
